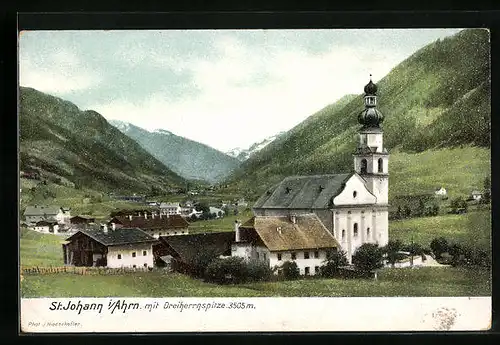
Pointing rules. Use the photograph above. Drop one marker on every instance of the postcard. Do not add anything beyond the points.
(267, 180)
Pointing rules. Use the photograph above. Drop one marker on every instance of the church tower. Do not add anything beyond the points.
(371, 159)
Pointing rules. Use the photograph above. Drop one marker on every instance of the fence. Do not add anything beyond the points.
(36, 270)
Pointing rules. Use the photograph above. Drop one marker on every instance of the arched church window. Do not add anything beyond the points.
(380, 165)
(364, 166)
(343, 234)
(355, 229)
(354, 194)
(368, 231)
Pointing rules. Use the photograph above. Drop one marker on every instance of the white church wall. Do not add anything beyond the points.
(361, 196)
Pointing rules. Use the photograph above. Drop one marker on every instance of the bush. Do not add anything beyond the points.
(334, 260)
(439, 246)
(258, 271)
(232, 270)
(290, 270)
(392, 250)
(368, 257)
(199, 263)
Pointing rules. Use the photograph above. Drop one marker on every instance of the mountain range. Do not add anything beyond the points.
(188, 158)
(438, 99)
(243, 154)
(81, 149)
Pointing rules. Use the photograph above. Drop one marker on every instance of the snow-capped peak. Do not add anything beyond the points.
(162, 131)
(244, 154)
(122, 126)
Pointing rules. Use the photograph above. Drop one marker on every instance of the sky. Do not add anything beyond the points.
(224, 88)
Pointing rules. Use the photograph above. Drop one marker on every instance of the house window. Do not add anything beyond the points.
(265, 258)
(316, 254)
(145, 265)
(144, 252)
(119, 256)
(294, 256)
(175, 232)
(354, 194)
(364, 166)
(307, 271)
(134, 266)
(355, 229)
(257, 255)
(159, 234)
(343, 234)
(316, 269)
(133, 254)
(306, 255)
(380, 165)
(279, 256)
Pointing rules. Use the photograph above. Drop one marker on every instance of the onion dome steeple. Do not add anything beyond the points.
(370, 117)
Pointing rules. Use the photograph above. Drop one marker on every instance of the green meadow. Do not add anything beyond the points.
(428, 281)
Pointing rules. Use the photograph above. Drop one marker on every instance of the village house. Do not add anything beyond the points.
(195, 213)
(47, 226)
(216, 211)
(241, 203)
(353, 207)
(34, 214)
(154, 225)
(276, 239)
(114, 248)
(183, 249)
(170, 208)
(476, 195)
(441, 192)
(82, 220)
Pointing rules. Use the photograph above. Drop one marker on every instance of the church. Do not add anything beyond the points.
(302, 218)
(352, 207)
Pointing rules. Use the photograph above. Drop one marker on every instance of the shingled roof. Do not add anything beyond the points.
(303, 192)
(42, 210)
(187, 246)
(280, 234)
(171, 222)
(117, 237)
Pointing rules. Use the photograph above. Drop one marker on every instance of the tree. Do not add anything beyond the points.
(399, 213)
(202, 207)
(439, 246)
(290, 270)
(421, 208)
(458, 204)
(415, 249)
(334, 260)
(407, 212)
(200, 261)
(487, 190)
(435, 210)
(368, 257)
(457, 253)
(392, 250)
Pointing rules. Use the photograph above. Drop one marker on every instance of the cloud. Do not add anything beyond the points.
(253, 92)
(59, 73)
